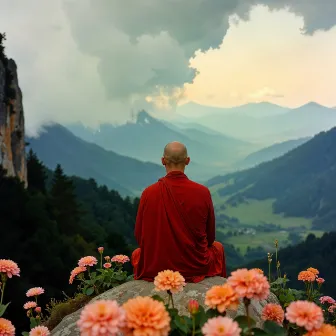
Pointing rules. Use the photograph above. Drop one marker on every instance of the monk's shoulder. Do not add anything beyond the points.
(153, 188)
(199, 187)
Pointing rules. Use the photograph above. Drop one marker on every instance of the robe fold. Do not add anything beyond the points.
(175, 229)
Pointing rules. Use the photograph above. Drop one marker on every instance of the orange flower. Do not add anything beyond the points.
(146, 316)
(249, 284)
(9, 267)
(325, 330)
(76, 271)
(260, 271)
(306, 276)
(35, 291)
(103, 317)
(120, 259)
(222, 297)
(221, 326)
(273, 312)
(39, 331)
(6, 327)
(87, 261)
(169, 281)
(313, 270)
(305, 314)
(29, 305)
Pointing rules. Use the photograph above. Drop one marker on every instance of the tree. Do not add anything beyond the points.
(36, 173)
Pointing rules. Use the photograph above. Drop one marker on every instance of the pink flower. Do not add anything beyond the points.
(305, 314)
(76, 271)
(101, 249)
(273, 312)
(327, 299)
(121, 259)
(30, 305)
(107, 265)
(87, 261)
(102, 317)
(6, 328)
(320, 281)
(193, 307)
(107, 258)
(9, 267)
(221, 326)
(332, 309)
(35, 291)
(39, 331)
(38, 310)
(249, 284)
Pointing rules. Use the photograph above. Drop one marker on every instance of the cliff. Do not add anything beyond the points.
(12, 131)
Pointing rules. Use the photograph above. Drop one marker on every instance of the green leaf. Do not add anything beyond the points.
(181, 324)
(3, 308)
(274, 329)
(244, 322)
(210, 313)
(90, 282)
(33, 322)
(259, 332)
(89, 291)
(157, 298)
(279, 281)
(25, 333)
(93, 275)
(120, 277)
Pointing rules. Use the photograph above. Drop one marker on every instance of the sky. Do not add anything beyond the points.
(97, 61)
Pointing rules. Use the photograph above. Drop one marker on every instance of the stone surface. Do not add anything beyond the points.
(142, 288)
(12, 131)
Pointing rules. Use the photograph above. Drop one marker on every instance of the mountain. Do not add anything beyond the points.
(270, 153)
(57, 145)
(256, 110)
(304, 121)
(145, 139)
(301, 183)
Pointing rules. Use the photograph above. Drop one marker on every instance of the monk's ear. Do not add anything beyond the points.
(163, 160)
(187, 161)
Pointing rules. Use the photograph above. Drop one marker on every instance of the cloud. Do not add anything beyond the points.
(265, 93)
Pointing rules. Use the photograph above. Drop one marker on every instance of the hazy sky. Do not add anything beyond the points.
(94, 60)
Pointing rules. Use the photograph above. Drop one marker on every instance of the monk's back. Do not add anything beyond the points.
(174, 228)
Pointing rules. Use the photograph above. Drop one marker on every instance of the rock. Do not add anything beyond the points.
(142, 288)
(12, 131)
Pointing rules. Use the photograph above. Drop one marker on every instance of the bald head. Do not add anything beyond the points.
(175, 155)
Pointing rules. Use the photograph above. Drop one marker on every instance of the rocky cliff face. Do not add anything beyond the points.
(12, 132)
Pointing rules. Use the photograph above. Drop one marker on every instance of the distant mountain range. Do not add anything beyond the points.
(145, 138)
(57, 145)
(270, 153)
(265, 122)
(302, 182)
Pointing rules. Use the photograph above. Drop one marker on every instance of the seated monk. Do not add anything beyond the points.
(175, 225)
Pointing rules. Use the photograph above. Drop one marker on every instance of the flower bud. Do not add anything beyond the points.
(101, 249)
(320, 281)
(38, 310)
(193, 307)
(107, 258)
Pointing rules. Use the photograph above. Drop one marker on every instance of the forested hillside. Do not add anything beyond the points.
(302, 182)
(48, 229)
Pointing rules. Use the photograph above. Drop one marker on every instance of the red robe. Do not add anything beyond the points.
(175, 229)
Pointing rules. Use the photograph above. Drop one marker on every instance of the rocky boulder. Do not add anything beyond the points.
(142, 288)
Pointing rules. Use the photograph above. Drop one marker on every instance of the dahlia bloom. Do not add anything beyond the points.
(221, 326)
(332, 309)
(249, 284)
(260, 271)
(325, 330)
(169, 281)
(273, 312)
(38, 310)
(305, 314)
(35, 291)
(102, 317)
(6, 328)
(320, 281)
(107, 265)
(76, 271)
(146, 316)
(120, 259)
(313, 270)
(87, 261)
(39, 331)
(327, 299)
(101, 249)
(9, 267)
(30, 305)
(306, 276)
(193, 307)
(222, 297)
